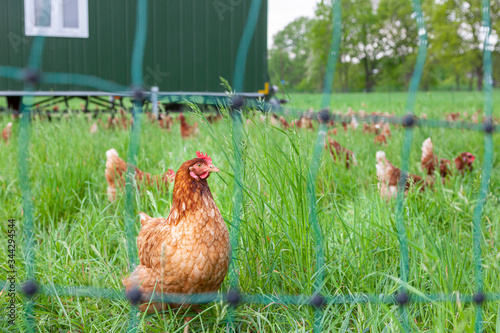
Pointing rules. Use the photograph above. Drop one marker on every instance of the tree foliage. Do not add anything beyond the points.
(290, 51)
(380, 44)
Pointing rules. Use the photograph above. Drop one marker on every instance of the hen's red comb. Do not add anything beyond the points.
(205, 157)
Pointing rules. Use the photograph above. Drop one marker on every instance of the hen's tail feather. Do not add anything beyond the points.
(115, 167)
(382, 165)
(427, 151)
(114, 163)
(428, 160)
(384, 171)
(111, 152)
(144, 218)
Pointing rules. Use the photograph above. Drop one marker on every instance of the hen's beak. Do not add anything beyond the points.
(213, 168)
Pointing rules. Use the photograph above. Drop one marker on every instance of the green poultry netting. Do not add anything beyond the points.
(31, 74)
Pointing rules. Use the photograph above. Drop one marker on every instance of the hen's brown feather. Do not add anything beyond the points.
(430, 161)
(380, 139)
(7, 132)
(284, 122)
(339, 152)
(188, 252)
(388, 177)
(116, 168)
(186, 129)
(463, 162)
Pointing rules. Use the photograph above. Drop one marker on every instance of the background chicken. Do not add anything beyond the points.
(388, 177)
(7, 132)
(452, 116)
(386, 130)
(189, 251)
(354, 123)
(380, 139)
(284, 123)
(186, 129)
(212, 119)
(463, 162)
(274, 120)
(93, 128)
(431, 162)
(116, 169)
(124, 119)
(371, 128)
(303, 122)
(112, 122)
(333, 131)
(339, 152)
(165, 121)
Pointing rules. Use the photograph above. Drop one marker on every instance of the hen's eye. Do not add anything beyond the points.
(199, 165)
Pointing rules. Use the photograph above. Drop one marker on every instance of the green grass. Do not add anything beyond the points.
(432, 103)
(80, 236)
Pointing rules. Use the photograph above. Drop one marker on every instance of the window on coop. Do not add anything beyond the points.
(56, 18)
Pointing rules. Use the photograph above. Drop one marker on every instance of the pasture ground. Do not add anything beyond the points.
(80, 237)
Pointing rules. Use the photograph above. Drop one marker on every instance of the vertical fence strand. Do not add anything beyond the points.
(238, 76)
(316, 157)
(134, 141)
(405, 154)
(488, 161)
(333, 55)
(30, 76)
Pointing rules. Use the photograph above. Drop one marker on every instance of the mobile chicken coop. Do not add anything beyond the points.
(190, 45)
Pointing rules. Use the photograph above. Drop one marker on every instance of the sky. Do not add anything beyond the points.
(282, 12)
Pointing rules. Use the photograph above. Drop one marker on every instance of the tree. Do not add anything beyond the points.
(399, 40)
(371, 34)
(289, 52)
(320, 39)
(362, 38)
(380, 41)
(460, 37)
(358, 43)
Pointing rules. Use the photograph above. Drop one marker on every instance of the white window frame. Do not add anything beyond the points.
(56, 28)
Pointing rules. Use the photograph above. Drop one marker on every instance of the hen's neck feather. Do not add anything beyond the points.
(189, 194)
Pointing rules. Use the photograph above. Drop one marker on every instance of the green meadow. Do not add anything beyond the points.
(80, 237)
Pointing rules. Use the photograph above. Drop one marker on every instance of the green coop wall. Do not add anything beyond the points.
(190, 44)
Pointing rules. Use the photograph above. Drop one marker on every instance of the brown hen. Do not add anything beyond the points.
(189, 251)
(388, 177)
(7, 132)
(214, 118)
(186, 129)
(284, 122)
(463, 162)
(380, 139)
(94, 128)
(431, 162)
(339, 152)
(303, 122)
(116, 169)
(166, 121)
